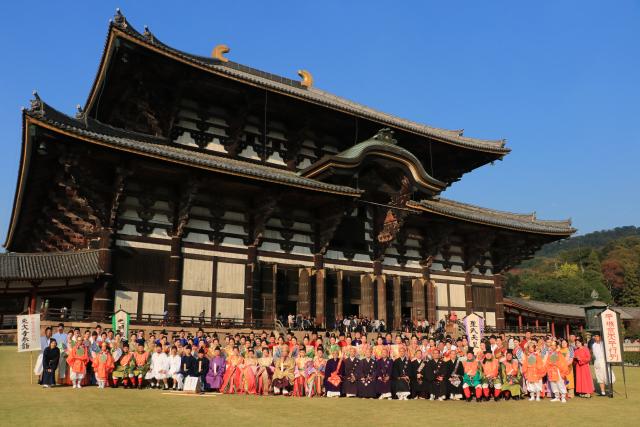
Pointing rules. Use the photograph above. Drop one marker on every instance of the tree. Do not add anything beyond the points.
(631, 291)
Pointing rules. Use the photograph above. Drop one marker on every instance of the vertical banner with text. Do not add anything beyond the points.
(28, 332)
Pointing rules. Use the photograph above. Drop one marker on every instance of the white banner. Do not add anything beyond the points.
(474, 329)
(611, 336)
(29, 332)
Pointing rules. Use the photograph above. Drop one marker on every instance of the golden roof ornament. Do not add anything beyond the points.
(219, 51)
(307, 78)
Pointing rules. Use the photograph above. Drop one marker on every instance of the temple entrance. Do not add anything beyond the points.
(286, 292)
(352, 309)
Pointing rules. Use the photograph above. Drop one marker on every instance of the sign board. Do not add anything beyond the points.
(192, 385)
(29, 332)
(120, 323)
(474, 329)
(611, 336)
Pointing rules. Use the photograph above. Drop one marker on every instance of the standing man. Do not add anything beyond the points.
(600, 364)
(400, 375)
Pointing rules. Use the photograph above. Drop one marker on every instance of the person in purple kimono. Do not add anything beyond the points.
(383, 375)
(216, 370)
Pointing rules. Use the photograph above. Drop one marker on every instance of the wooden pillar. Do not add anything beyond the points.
(553, 328)
(567, 331)
(33, 297)
(304, 299)
(274, 291)
(430, 289)
(339, 294)
(252, 259)
(581, 328)
(381, 290)
(417, 289)
(468, 293)
(397, 302)
(102, 292)
(519, 322)
(174, 288)
(320, 289)
(537, 324)
(498, 281)
(366, 296)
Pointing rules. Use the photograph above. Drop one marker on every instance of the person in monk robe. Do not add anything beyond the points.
(202, 368)
(437, 376)
(78, 359)
(382, 374)
(418, 374)
(349, 383)
(283, 374)
(216, 370)
(455, 371)
(511, 377)
(400, 375)
(50, 360)
(365, 375)
(584, 380)
(334, 373)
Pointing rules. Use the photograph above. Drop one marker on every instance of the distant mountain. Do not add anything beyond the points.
(595, 240)
(605, 264)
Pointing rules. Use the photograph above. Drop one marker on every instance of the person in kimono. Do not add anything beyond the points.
(491, 384)
(382, 375)
(400, 375)
(158, 369)
(248, 374)
(50, 361)
(78, 359)
(557, 371)
(174, 368)
(511, 377)
(142, 361)
(349, 383)
(300, 371)
(334, 373)
(123, 367)
(418, 376)
(472, 376)
(455, 373)
(365, 375)
(284, 372)
(188, 366)
(264, 372)
(437, 376)
(315, 374)
(533, 371)
(232, 374)
(584, 380)
(215, 375)
(103, 364)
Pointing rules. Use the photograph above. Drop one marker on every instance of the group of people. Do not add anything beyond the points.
(338, 365)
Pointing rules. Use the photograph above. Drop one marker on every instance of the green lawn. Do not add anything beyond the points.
(25, 404)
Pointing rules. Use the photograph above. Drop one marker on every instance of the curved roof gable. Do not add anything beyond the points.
(381, 145)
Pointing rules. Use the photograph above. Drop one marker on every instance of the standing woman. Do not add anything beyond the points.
(584, 380)
(50, 360)
(568, 354)
(231, 379)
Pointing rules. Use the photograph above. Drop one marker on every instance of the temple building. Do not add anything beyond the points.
(207, 188)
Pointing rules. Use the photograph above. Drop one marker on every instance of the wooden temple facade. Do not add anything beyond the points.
(197, 185)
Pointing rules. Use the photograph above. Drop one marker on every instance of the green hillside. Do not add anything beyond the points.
(574, 270)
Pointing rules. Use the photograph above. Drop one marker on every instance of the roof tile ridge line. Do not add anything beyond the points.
(522, 216)
(455, 136)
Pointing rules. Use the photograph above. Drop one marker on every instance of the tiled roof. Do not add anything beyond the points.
(468, 212)
(294, 88)
(158, 148)
(51, 265)
(567, 310)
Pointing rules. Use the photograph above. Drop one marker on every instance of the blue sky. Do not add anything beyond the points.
(558, 79)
